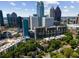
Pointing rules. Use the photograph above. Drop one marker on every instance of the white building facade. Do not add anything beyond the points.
(33, 22)
(47, 21)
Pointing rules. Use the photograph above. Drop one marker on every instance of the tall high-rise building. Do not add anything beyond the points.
(40, 11)
(9, 20)
(52, 12)
(77, 19)
(33, 22)
(1, 18)
(57, 14)
(19, 22)
(25, 28)
(14, 19)
(29, 22)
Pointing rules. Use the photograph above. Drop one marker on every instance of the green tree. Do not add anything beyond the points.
(17, 35)
(57, 55)
(67, 52)
(29, 54)
(50, 49)
(75, 55)
(63, 43)
(77, 37)
(68, 33)
(60, 55)
(53, 54)
(24, 48)
(7, 55)
(68, 37)
(54, 44)
(73, 43)
(39, 56)
(77, 51)
(39, 46)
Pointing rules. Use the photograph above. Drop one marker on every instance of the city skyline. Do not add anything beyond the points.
(68, 8)
(39, 29)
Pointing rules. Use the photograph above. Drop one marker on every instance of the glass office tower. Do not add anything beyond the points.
(14, 19)
(9, 20)
(19, 22)
(1, 18)
(40, 11)
(25, 28)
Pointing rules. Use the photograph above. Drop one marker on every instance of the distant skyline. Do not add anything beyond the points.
(28, 8)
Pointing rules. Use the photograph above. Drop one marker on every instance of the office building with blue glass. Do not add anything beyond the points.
(19, 22)
(14, 19)
(9, 20)
(25, 28)
(40, 11)
(1, 18)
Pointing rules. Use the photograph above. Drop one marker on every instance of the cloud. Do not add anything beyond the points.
(12, 3)
(24, 4)
(71, 6)
(65, 10)
(47, 11)
(17, 8)
(22, 13)
(47, 3)
(26, 9)
(65, 6)
(69, 13)
(77, 1)
(72, 1)
(52, 2)
(33, 9)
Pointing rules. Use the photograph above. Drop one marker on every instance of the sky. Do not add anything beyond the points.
(28, 8)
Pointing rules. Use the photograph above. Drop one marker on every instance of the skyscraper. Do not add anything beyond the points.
(1, 18)
(33, 22)
(40, 11)
(19, 22)
(14, 19)
(57, 14)
(77, 19)
(9, 20)
(52, 12)
(25, 28)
